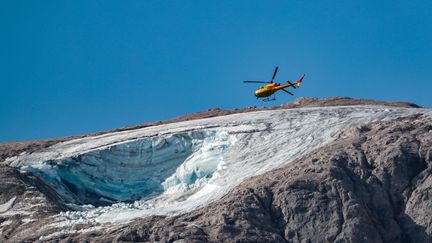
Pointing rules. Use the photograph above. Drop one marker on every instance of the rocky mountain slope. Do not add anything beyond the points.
(374, 184)
(370, 182)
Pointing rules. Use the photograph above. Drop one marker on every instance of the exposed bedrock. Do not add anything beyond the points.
(373, 184)
(26, 204)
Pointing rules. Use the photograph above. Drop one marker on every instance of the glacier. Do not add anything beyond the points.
(175, 168)
(135, 170)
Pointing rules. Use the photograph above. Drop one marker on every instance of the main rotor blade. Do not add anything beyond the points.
(292, 85)
(261, 82)
(274, 74)
(287, 91)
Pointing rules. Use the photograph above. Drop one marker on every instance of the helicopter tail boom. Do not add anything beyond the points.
(298, 82)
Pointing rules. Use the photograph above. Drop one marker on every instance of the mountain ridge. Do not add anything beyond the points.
(9, 149)
(372, 183)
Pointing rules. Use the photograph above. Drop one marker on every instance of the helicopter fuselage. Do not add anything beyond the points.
(269, 89)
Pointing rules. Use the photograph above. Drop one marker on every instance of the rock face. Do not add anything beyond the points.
(374, 184)
(26, 203)
(343, 101)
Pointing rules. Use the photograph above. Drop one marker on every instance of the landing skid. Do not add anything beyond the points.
(268, 99)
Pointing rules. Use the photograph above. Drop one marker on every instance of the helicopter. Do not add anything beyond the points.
(270, 88)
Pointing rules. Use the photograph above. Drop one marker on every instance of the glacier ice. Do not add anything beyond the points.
(136, 170)
(174, 168)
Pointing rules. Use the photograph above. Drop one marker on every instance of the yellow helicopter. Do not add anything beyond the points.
(270, 88)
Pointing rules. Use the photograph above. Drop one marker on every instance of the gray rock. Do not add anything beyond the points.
(33, 204)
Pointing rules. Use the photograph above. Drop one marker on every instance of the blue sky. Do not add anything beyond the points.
(73, 67)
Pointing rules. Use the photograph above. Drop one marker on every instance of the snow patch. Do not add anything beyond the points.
(8, 205)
